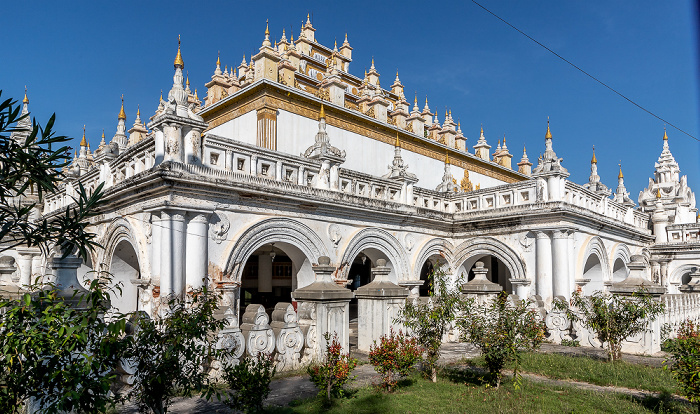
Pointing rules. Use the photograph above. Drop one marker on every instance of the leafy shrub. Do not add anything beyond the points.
(394, 357)
(685, 360)
(334, 372)
(502, 329)
(570, 342)
(613, 318)
(171, 352)
(429, 321)
(60, 350)
(250, 382)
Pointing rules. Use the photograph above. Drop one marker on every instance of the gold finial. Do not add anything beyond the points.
(620, 174)
(161, 95)
(549, 133)
(335, 43)
(218, 58)
(665, 136)
(178, 58)
(447, 157)
(658, 193)
(187, 81)
(323, 113)
(415, 99)
(346, 37)
(83, 143)
(482, 129)
(122, 114)
(504, 139)
(195, 95)
(397, 140)
(138, 111)
(25, 100)
(267, 27)
(594, 160)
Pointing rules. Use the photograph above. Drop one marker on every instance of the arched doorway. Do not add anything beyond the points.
(124, 266)
(433, 264)
(620, 271)
(271, 273)
(593, 271)
(497, 270)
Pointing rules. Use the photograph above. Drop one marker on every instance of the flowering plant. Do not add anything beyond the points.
(334, 371)
(394, 357)
(685, 360)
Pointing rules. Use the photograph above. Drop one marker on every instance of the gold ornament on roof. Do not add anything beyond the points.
(658, 193)
(549, 133)
(25, 100)
(466, 183)
(620, 174)
(594, 160)
(178, 58)
(122, 114)
(665, 136)
(218, 58)
(83, 143)
(323, 113)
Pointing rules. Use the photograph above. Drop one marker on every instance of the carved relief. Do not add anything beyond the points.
(219, 227)
(334, 234)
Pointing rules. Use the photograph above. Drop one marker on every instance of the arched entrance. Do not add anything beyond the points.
(593, 271)
(124, 266)
(620, 271)
(271, 273)
(433, 264)
(497, 271)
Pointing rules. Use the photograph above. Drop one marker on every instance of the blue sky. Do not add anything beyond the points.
(77, 58)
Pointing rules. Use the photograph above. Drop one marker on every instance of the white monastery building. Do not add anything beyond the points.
(296, 182)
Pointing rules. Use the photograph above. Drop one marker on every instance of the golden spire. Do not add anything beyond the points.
(267, 27)
(323, 113)
(138, 111)
(195, 94)
(482, 129)
(549, 133)
(620, 174)
(161, 94)
(187, 82)
(178, 58)
(447, 157)
(346, 37)
(665, 136)
(658, 193)
(218, 58)
(504, 139)
(415, 99)
(122, 114)
(397, 144)
(83, 143)
(594, 160)
(25, 100)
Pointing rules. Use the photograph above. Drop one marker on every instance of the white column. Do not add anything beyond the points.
(543, 266)
(560, 258)
(197, 252)
(24, 262)
(156, 246)
(166, 252)
(177, 235)
(554, 188)
(264, 273)
(334, 177)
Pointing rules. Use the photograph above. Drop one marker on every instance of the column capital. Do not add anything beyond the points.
(541, 234)
(561, 233)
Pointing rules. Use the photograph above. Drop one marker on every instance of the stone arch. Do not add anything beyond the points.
(274, 230)
(493, 247)
(436, 246)
(596, 247)
(681, 275)
(619, 259)
(594, 266)
(382, 241)
(120, 256)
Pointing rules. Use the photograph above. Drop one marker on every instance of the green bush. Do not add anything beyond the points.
(429, 321)
(249, 381)
(502, 330)
(685, 360)
(613, 318)
(334, 372)
(394, 357)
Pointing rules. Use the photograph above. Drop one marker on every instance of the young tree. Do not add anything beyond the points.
(171, 353)
(394, 357)
(502, 330)
(613, 318)
(334, 372)
(685, 360)
(59, 350)
(429, 321)
(249, 381)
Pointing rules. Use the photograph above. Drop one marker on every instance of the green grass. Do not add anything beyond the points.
(585, 369)
(460, 391)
